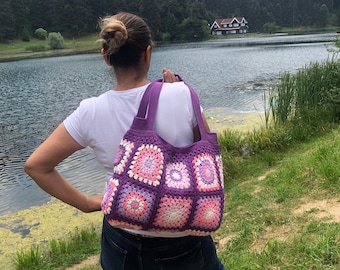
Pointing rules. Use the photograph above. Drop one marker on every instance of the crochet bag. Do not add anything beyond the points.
(158, 187)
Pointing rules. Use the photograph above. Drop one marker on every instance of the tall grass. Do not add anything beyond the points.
(311, 95)
(28, 260)
(61, 253)
(298, 108)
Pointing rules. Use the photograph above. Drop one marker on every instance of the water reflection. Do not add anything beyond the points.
(37, 94)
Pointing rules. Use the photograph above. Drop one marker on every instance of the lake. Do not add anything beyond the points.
(37, 94)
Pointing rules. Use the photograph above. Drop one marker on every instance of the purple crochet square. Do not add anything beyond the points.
(122, 156)
(135, 203)
(177, 176)
(173, 212)
(206, 173)
(208, 213)
(147, 164)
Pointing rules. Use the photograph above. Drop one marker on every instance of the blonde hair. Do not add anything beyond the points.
(124, 38)
(113, 33)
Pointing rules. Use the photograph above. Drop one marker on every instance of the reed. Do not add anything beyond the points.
(311, 94)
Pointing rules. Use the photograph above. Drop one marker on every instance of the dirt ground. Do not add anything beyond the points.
(326, 210)
(92, 260)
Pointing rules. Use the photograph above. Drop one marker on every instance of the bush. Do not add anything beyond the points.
(194, 29)
(36, 48)
(55, 41)
(166, 37)
(271, 27)
(41, 33)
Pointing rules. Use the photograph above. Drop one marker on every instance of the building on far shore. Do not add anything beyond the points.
(227, 26)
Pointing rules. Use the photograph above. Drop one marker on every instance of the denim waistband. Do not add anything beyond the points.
(147, 241)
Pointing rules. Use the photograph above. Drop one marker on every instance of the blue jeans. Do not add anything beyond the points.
(121, 250)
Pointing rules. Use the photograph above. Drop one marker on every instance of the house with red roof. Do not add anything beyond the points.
(234, 25)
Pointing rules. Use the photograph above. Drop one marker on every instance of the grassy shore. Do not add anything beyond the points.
(282, 212)
(18, 50)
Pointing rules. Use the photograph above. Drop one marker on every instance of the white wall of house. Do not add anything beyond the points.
(230, 27)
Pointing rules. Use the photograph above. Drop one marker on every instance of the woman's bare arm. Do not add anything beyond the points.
(41, 167)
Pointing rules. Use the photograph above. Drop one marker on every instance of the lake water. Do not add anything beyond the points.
(37, 94)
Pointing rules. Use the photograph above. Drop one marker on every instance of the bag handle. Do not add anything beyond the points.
(197, 111)
(148, 107)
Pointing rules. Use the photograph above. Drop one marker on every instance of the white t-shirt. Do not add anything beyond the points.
(101, 122)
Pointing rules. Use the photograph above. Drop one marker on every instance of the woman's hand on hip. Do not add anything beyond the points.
(93, 204)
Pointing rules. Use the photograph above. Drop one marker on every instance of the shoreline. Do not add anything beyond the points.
(44, 54)
(220, 118)
(9, 56)
(37, 225)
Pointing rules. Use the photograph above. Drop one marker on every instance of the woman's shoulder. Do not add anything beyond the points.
(175, 85)
(91, 106)
(95, 100)
(179, 89)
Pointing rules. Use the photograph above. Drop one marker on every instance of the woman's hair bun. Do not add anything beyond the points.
(124, 38)
(113, 34)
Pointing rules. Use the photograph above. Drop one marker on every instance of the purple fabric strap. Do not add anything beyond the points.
(148, 107)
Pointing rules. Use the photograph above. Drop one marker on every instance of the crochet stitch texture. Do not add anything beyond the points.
(158, 187)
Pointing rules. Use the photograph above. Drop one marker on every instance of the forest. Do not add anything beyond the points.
(170, 20)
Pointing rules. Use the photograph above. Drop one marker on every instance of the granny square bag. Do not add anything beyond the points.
(159, 187)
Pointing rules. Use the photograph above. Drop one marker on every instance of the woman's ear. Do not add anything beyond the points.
(106, 59)
(147, 55)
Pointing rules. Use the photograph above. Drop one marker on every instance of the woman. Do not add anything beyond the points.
(100, 123)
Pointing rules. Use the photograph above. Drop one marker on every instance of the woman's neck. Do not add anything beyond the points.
(128, 80)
